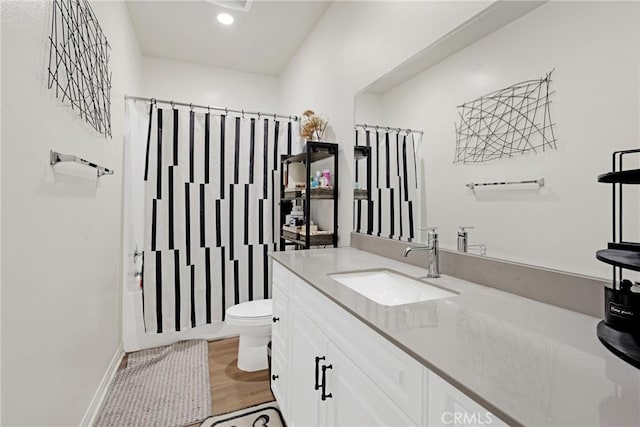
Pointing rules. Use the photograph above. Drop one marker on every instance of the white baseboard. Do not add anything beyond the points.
(92, 411)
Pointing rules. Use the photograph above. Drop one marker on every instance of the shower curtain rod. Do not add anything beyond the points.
(209, 107)
(387, 128)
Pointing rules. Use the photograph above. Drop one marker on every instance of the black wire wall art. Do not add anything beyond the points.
(505, 123)
(79, 63)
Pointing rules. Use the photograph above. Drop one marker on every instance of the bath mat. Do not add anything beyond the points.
(164, 387)
(264, 415)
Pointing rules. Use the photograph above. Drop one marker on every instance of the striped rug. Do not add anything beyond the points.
(164, 387)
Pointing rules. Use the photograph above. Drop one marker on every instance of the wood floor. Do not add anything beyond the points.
(231, 388)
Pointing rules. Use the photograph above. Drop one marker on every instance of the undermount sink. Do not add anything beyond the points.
(387, 287)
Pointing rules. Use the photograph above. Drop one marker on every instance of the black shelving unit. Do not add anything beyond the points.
(631, 176)
(620, 330)
(314, 151)
(362, 154)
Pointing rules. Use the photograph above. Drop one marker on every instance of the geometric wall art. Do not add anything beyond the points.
(79, 63)
(505, 123)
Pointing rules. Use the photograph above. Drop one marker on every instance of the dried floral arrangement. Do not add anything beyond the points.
(313, 125)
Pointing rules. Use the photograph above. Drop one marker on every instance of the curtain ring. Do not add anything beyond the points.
(208, 109)
(171, 102)
(242, 111)
(226, 111)
(408, 131)
(191, 106)
(289, 118)
(274, 117)
(258, 115)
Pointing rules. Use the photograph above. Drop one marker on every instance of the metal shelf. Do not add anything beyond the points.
(618, 332)
(361, 152)
(315, 151)
(620, 254)
(631, 176)
(620, 258)
(311, 243)
(623, 344)
(302, 195)
(360, 196)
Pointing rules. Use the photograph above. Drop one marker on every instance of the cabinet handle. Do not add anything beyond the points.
(325, 396)
(276, 319)
(318, 359)
(275, 377)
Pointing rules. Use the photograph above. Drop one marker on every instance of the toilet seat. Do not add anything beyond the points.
(251, 313)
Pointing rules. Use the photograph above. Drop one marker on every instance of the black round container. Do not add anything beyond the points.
(622, 310)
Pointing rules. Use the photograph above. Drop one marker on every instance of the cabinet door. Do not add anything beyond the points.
(280, 350)
(307, 343)
(393, 371)
(355, 399)
(280, 328)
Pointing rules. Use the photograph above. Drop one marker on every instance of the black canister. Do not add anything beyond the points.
(622, 308)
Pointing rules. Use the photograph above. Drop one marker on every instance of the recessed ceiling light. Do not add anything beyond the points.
(225, 19)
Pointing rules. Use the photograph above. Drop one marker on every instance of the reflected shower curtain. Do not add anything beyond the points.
(393, 211)
(211, 182)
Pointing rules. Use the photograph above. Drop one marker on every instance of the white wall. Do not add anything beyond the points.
(181, 82)
(61, 241)
(593, 47)
(369, 109)
(353, 44)
(200, 84)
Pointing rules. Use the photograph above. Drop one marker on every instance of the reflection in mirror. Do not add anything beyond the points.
(387, 174)
(561, 223)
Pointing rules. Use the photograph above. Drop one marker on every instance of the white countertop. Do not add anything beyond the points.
(528, 362)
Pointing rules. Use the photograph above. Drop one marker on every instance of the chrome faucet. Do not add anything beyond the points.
(463, 242)
(433, 266)
(463, 238)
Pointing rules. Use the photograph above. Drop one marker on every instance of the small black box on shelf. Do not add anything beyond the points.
(622, 309)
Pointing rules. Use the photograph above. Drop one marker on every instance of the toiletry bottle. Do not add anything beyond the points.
(327, 176)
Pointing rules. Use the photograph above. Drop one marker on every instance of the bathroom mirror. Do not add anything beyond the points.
(560, 216)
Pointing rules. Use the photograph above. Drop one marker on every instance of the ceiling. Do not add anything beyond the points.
(261, 40)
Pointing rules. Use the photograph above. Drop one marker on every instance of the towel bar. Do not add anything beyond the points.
(55, 157)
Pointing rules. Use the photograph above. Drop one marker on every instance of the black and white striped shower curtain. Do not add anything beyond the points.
(394, 208)
(211, 182)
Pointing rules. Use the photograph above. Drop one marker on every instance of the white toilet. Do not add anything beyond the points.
(253, 321)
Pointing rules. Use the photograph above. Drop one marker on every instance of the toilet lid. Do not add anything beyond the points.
(252, 309)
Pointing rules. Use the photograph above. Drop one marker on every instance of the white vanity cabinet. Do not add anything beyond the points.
(280, 341)
(328, 388)
(356, 399)
(331, 369)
